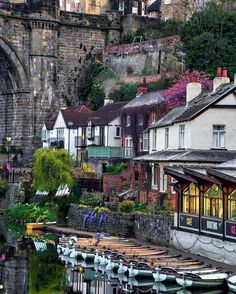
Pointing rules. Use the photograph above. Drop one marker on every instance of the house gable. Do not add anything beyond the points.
(59, 123)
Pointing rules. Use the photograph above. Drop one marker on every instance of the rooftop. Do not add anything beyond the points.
(106, 113)
(145, 99)
(78, 115)
(195, 106)
(189, 155)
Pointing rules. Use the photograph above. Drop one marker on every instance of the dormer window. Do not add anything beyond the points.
(140, 119)
(128, 121)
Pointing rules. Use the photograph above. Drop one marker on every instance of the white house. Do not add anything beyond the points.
(68, 130)
(201, 133)
(104, 133)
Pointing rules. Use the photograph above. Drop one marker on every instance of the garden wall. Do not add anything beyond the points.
(144, 227)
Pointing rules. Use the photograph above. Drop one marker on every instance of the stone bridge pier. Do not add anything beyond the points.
(42, 52)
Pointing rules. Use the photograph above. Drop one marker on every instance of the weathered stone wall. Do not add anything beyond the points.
(144, 227)
(149, 57)
(118, 224)
(153, 229)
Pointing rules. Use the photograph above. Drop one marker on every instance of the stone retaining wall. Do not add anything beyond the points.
(144, 227)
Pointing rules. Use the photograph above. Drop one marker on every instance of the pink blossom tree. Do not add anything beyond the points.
(175, 96)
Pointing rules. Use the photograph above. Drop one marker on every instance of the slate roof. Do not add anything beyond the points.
(190, 155)
(106, 114)
(145, 99)
(78, 115)
(195, 106)
(155, 6)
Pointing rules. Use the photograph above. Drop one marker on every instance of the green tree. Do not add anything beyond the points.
(96, 96)
(52, 168)
(209, 38)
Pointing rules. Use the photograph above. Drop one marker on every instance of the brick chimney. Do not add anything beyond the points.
(221, 78)
(194, 88)
(143, 87)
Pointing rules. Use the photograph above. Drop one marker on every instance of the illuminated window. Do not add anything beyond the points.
(213, 202)
(191, 199)
(232, 206)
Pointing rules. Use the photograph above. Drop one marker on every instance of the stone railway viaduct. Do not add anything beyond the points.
(42, 49)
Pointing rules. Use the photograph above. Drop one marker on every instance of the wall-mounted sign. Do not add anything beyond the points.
(212, 226)
(188, 221)
(230, 229)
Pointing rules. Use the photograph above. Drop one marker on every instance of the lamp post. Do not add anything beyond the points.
(70, 124)
(8, 138)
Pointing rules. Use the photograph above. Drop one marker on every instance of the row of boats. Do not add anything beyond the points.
(136, 261)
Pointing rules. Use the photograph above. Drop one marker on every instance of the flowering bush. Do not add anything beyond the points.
(175, 95)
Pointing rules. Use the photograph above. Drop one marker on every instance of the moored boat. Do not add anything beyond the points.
(201, 280)
(231, 282)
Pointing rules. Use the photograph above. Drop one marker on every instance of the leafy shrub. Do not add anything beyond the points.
(3, 187)
(116, 169)
(141, 207)
(102, 209)
(126, 206)
(31, 213)
(91, 199)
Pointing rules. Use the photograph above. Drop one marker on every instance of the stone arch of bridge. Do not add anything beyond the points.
(13, 75)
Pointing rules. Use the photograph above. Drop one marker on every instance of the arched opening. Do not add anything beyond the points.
(14, 97)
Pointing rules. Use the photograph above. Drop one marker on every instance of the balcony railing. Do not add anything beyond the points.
(109, 152)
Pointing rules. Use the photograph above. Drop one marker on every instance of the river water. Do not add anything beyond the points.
(29, 263)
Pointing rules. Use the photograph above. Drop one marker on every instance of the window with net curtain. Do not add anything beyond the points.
(213, 202)
(232, 206)
(191, 199)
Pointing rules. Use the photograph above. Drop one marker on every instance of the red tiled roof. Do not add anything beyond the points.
(106, 113)
(78, 115)
(49, 122)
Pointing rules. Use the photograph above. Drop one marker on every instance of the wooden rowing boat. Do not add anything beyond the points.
(231, 282)
(169, 274)
(201, 280)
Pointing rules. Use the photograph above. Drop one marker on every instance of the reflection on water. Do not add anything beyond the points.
(29, 264)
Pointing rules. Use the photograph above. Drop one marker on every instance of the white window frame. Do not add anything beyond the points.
(128, 121)
(154, 139)
(163, 181)
(128, 147)
(218, 136)
(44, 135)
(60, 134)
(167, 130)
(145, 142)
(181, 136)
(154, 178)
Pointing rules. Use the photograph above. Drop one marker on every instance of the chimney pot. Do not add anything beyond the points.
(224, 73)
(218, 72)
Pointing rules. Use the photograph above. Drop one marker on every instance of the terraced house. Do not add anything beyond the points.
(201, 133)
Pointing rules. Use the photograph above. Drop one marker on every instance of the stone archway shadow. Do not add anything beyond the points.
(18, 71)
